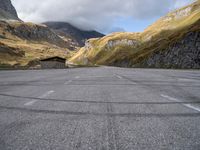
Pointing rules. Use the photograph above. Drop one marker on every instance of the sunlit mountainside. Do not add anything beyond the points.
(133, 49)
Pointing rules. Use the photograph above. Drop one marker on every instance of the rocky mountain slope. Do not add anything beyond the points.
(171, 42)
(22, 42)
(7, 11)
(78, 37)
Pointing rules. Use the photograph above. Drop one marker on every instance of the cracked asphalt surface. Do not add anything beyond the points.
(103, 108)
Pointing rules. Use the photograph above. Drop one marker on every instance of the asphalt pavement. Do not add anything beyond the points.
(104, 108)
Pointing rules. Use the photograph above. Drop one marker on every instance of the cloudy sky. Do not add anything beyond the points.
(102, 15)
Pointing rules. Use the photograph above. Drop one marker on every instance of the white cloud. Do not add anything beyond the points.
(92, 14)
(181, 3)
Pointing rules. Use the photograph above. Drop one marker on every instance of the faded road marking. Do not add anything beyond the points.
(68, 82)
(47, 94)
(176, 100)
(77, 77)
(42, 96)
(30, 103)
(119, 77)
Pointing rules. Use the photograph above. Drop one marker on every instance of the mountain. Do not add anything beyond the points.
(22, 42)
(7, 11)
(77, 36)
(171, 42)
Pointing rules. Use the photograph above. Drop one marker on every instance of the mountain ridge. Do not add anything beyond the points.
(22, 42)
(173, 41)
(77, 35)
(130, 49)
(25, 42)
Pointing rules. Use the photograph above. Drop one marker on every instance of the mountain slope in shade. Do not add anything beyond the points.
(7, 11)
(67, 30)
(162, 39)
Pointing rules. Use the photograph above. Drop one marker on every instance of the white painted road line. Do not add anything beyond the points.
(170, 98)
(119, 77)
(186, 79)
(42, 96)
(176, 100)
(68, 82)
(192, 107)
(46, 94)
(30, 103)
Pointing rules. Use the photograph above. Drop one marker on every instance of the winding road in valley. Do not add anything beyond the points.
(104, 108)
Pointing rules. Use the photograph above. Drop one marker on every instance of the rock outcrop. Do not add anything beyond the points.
(33, 32)
(182, 54)
(126, 42)
(7, 10)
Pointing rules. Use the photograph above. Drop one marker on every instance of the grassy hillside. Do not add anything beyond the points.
(135, 47)
(21, 43)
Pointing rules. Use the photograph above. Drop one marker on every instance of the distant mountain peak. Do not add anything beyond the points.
(79, 36)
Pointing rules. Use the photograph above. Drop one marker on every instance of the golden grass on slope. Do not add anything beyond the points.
(156, 37)
(175, 20)
(32, 49)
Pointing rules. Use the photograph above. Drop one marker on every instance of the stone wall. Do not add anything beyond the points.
(182, 54)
